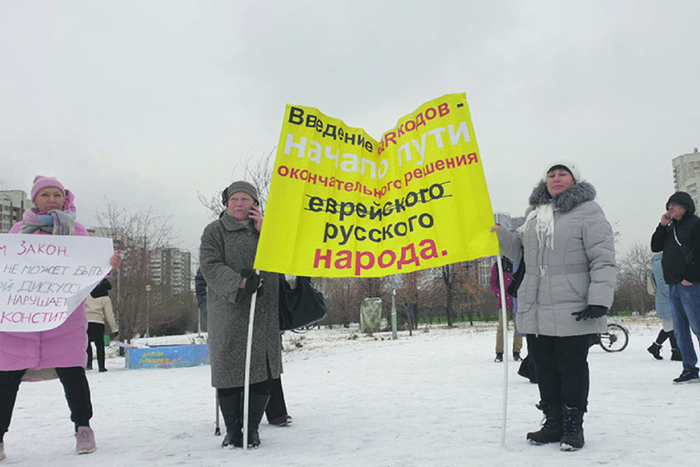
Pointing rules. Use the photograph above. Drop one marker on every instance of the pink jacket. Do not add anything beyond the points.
(62, 347)
(496, 287)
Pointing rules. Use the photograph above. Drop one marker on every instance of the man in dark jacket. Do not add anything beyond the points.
(678, 236)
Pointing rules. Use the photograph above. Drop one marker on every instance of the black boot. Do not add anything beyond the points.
(655, 350)
(231, 408)
(675, 353)
(551, 430)
(256, 411)
(572, 424)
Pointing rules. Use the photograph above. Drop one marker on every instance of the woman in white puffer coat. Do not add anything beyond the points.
(568, 249)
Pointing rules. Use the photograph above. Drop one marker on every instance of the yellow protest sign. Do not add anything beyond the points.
(342, 204)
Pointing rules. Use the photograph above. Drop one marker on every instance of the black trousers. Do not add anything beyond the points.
(276, 408)
(261, 389)
(561, 365)
(96, 334)
(75, 387)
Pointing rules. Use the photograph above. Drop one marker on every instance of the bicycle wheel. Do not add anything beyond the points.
(616, 339)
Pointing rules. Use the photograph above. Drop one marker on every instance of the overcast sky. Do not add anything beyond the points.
(148, 103)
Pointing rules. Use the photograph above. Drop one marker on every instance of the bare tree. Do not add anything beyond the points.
(469, 295)
(631, 292)
(412, 296)
(176, 314)
(135, 234)
(447, 277)
(256, 170)
(343, 299)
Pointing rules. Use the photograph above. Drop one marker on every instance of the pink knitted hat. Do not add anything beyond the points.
(41, 182)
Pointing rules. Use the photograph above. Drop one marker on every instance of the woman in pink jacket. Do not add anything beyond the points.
(59, 352)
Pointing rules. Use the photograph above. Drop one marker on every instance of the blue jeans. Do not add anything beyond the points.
(685, 307)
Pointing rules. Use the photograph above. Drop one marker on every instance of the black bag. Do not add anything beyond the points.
(300, 307)
(527, 369)
(517, 279)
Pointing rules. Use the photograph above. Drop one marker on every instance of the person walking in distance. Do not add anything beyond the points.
(496, 288)
(657, 286)
(98, 309)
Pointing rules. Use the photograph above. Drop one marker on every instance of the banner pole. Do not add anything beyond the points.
(504, 320)
(248, 354)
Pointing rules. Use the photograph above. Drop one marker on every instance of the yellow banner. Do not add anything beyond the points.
(342, 204)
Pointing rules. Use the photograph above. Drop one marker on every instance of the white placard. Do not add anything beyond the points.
(44, 278)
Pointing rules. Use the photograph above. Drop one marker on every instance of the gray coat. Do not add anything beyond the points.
(227, 247)
(663, 303)
(578, 272)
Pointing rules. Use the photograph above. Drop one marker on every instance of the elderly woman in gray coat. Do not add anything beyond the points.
(226, 260)
(567, 246)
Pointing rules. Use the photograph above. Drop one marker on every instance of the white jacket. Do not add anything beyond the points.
(99, 309)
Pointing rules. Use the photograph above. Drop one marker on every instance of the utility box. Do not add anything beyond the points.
(167, 356)
(370, 315)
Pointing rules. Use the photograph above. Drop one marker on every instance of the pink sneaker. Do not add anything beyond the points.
(85, 440)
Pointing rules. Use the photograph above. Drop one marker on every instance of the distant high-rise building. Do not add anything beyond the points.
(516, 222)
(13, 203)
(104, 232)
(171, 267)
(686, 174)
(480, 268)
(503, 219)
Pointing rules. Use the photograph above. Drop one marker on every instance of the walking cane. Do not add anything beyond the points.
(217, 431)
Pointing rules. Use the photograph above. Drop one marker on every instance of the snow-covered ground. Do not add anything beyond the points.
(433, 399)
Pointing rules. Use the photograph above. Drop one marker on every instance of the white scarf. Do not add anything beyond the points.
(544, 218)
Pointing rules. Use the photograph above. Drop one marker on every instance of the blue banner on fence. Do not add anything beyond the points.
(167, 356)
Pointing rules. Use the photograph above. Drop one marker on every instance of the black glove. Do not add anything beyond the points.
(252, 280)
(590, 312)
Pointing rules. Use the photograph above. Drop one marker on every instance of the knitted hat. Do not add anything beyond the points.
(683, 199)
(566, 163)
(41, 182)
(239, 187)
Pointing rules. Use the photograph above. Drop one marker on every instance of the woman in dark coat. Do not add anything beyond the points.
(227, 254)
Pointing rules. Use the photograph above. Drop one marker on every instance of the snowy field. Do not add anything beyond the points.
(433, 399)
